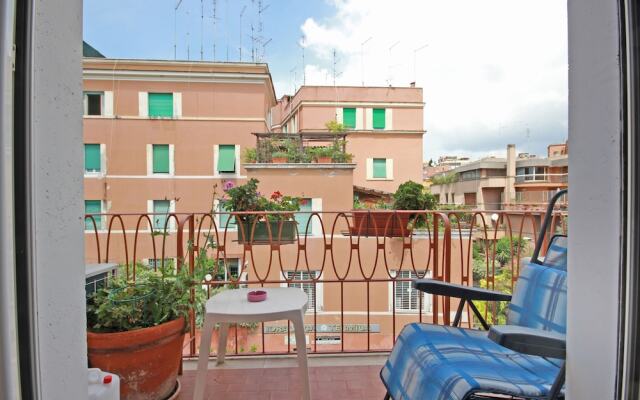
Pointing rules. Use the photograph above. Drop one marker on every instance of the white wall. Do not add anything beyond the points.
(57, 199)
(594, 192)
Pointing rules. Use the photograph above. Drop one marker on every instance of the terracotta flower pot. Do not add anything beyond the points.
(147, 360)
(374, 223)
(325, 160)
(279, 160)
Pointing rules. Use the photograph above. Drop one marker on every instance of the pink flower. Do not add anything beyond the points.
(227, 185)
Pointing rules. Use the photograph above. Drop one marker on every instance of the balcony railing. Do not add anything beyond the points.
(536, 178)
(355, 266)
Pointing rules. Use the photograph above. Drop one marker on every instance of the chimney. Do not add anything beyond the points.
(412, 84)
(510, 190)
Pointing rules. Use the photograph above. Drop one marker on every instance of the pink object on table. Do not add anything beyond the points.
(256, 296)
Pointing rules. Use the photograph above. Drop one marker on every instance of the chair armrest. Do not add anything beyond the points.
(440, 288)
(531, 341)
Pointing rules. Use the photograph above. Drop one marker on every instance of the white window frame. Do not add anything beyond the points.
(319, 302)
(150, 162)
(427, 300)
(389, 165)
(143, 105)
(216, 153)
(216, 218)
(106, 103)
(172, 209)
(103, 163)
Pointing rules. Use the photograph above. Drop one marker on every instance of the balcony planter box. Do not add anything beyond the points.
(261, 233)
(375, 222)
(147, 360)
(279, 160)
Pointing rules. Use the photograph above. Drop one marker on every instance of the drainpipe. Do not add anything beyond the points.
(510, 190)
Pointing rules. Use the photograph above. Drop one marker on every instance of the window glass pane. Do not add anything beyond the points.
(379, 118)
(93, 207)
(160, 158)
(224, 218)
(92, 157)
(302, 218)
(308, 288)
(161, 105)
(161, 208)
(94, 103)
(227, 158)
(379, 167)
(349, 117)
(407, 298)
(519, 171)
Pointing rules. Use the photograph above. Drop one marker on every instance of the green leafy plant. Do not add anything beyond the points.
(249, 155)
(413, 196)
(247, 198)
(156, 296)
(444, 179)
(335, 127)
(280, 154)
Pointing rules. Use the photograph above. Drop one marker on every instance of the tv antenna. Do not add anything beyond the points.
(304, 70)
(335, 65)
(201, 30)
(362, 57)
(241, 14)
(415, 52)
(215, 18)
(175, 30)
(390, 77)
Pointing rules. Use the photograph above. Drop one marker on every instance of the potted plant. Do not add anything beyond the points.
(279, 157)
(249, 155)
(324, 155)
(383, 221)
(136, 329)
(253, 228)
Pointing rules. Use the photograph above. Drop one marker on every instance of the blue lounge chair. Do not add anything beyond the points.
(523, 359)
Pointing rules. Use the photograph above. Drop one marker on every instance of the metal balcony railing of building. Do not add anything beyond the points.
(355, 266)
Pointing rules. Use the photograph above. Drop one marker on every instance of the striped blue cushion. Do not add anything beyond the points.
(441, 363)
(556, 256)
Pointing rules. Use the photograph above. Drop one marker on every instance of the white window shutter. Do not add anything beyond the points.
(316, 224)
(216, 152)
(388, 116)
(359, 118)
(177, 105)
(339, 115)
(369, 118)
(389, 168)
(369, 168)
(143, 104)
(237, 152)
(103, 158)
(150, 210)
(108, 104)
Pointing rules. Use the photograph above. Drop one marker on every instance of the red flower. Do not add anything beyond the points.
(276, 195)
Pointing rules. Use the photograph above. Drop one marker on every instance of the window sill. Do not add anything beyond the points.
(223, 175)
(94, 175)
(161, 175)
(379, 179)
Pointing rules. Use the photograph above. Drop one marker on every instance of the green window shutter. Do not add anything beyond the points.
(379, 118)
(161, 105)
(161, 208)
(227, 158)
(160, 158)
(303, 218)
(92, 157)
(349, 118)
(92, 207)
(379, 167)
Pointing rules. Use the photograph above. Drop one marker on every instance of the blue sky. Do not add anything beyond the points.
(493, 72)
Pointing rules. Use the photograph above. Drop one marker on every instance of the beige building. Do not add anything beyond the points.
(519, 181)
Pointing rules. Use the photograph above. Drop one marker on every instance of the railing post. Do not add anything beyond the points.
(447, 267)
(436, 274)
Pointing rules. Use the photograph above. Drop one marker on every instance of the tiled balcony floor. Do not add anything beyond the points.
(340, 377)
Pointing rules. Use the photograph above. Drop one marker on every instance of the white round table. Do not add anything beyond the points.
(232, 306)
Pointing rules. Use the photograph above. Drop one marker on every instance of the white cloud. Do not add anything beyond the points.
(494, 72)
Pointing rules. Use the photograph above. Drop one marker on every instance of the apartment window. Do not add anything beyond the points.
(349, 118)
(470, 175)
(161, 163)
(530, 174)
(93, 207)
(379, 167)
(227, 158)
(223, 218)
(303, 218)
(158, 262)
(379, 118)
(231, 269)
(161, 105)
(161, 210)
(92, 158)
(312, 291)
(406, 297)
(93, 103)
